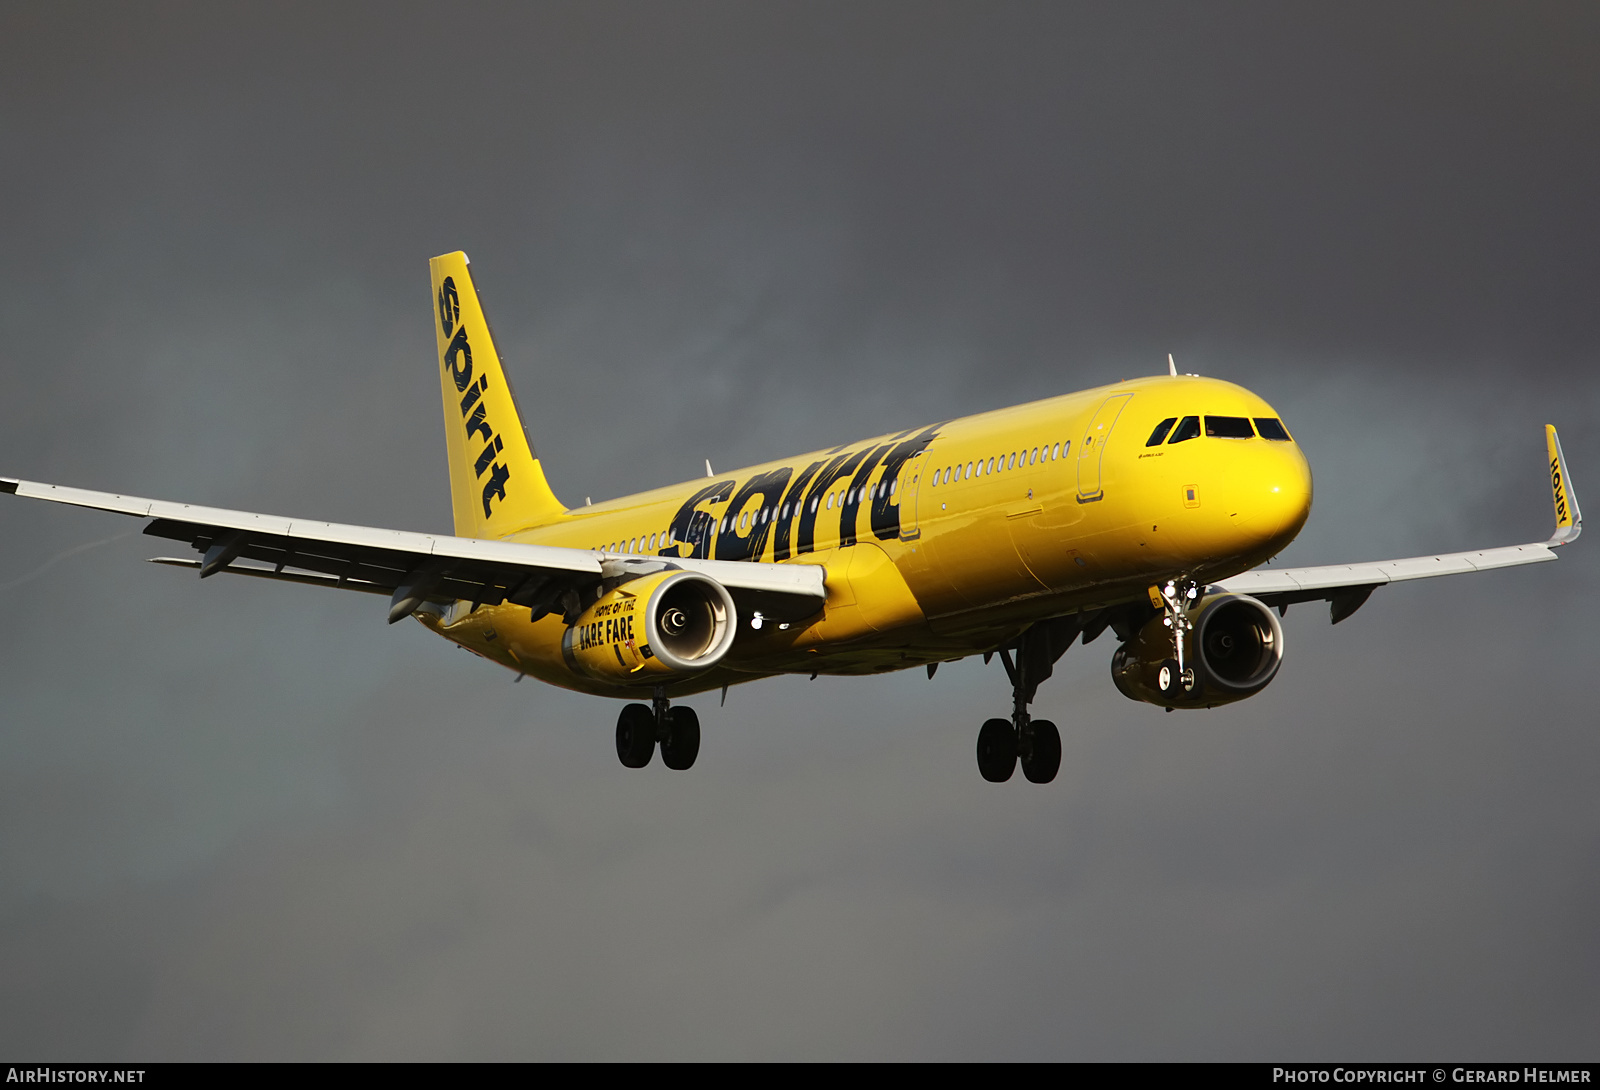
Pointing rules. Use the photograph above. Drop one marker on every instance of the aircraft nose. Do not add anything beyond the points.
(1275, 498)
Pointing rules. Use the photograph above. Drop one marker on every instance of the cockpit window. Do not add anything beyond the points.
(1161, 431)
(1270, 427)
(1189, 429)
(1229, 427)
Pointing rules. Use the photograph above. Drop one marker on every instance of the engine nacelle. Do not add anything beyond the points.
(1236, 647)
(652, 629)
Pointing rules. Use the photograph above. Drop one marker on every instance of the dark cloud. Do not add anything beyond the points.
(242, 821)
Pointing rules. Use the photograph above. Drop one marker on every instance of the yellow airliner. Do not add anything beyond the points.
(1141, 507)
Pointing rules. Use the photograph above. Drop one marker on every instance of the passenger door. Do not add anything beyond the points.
(910, 489)
(1091, 448)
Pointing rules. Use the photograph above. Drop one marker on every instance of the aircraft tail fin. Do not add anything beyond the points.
(497, 485)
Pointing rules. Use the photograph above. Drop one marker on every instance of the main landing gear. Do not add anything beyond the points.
(1035, 743)
(640, 727)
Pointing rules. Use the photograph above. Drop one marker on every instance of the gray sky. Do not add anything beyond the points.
(243, 821)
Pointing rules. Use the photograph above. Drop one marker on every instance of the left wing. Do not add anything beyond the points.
(413, 568)
(1347, 586)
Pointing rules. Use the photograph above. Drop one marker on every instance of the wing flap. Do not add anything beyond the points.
(308, 578)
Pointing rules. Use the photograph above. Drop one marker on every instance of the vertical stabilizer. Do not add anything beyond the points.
(497, 485)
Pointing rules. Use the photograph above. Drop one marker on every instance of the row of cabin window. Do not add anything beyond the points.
(638, 544)
(764, 515)
(1218, 427)
(1001, 462)
(882, 489)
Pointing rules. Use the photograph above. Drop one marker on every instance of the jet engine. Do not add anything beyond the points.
(1234, 649)
(652, 629)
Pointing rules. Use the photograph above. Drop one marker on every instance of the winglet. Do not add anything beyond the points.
(1569, 519)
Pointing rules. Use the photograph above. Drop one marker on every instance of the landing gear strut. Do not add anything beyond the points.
(640, 727)
(1036, 743)
(1175, 677)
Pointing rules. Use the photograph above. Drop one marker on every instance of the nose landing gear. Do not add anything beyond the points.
(640, 727)
(1176, 678)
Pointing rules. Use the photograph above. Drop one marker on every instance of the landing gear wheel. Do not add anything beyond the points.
(682, 744)
(1044, 758)
(997, 750)
(1169, 680)
(636, 735)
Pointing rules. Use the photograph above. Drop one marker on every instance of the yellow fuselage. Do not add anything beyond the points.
(945, 541)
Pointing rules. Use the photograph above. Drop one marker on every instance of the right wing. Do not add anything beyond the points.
(413, 568)
(1347, 586)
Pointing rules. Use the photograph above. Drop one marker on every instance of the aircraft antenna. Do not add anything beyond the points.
(1172, 366)
(708, 468)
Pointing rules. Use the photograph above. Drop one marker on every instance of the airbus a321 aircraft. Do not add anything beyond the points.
(1141, 507)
